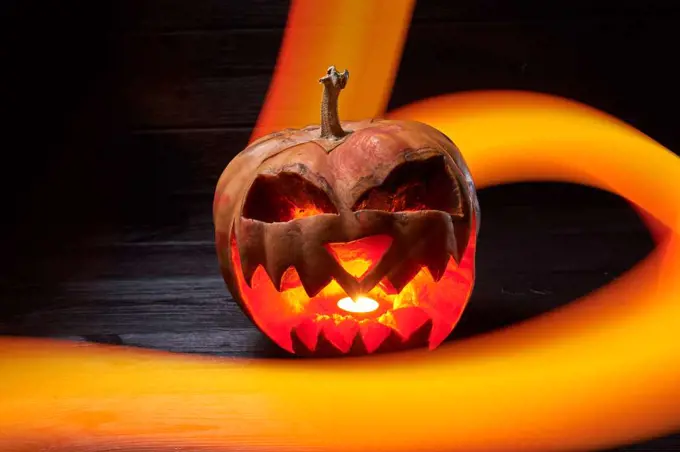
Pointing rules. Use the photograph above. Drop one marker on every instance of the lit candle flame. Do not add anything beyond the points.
(360, 305)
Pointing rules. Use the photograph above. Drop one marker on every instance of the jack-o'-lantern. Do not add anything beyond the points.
(354, 236)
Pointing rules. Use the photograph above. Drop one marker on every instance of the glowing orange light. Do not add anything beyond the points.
(278, 312)
(305, 211)
(359, 305)
(359, 256)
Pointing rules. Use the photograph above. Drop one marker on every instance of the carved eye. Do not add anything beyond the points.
(413, 186)
(285, 197)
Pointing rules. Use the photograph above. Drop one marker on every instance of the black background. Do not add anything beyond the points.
(120, 116)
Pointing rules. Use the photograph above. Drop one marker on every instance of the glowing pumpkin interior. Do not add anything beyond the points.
(287, 313)
(290, 311)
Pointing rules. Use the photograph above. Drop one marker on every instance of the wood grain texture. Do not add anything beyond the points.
(496, 10)
(173, 15)
(207, 102)
(202, 53)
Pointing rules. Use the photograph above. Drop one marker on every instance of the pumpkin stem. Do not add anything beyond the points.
(333, 82)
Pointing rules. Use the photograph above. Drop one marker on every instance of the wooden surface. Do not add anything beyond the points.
(120, 117)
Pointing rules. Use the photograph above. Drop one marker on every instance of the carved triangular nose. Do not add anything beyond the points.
(358, 257)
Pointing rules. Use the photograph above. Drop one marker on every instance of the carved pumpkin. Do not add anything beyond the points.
(352, 236)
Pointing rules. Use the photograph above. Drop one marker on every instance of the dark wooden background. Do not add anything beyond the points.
(120, 116)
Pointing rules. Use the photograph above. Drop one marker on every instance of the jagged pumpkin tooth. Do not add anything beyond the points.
(275, 270)
(349, 329)
(443, 321)
(242, 261)
(436, 264)
(458, 241)
(290, 279)
(250, 245)
(307, 332)
(314, 283)
(315, 271)
(350, 285)
(375, 275)
(440, 331)
(373, 334)
(280, 334)
(408, 320)
(249, 268)
(403, 274)
(387, 287)
(335, 336)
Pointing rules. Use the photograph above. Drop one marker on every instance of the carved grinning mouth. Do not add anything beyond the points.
(291, 317)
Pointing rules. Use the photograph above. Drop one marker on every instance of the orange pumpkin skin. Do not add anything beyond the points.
(382, 209)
